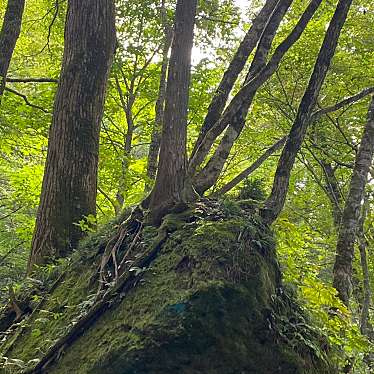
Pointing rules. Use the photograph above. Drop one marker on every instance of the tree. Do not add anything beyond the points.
(8, 37)
(154, 147)
(276, 200)
(227, 119)
(171, 173)
(351, 214)
(70, 178)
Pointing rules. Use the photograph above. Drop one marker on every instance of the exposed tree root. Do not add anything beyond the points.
(114, 295)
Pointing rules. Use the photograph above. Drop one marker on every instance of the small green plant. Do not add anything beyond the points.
(87, 223)
(253, 189)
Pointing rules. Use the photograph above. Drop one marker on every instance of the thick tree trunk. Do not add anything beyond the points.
(8, 37)
(277, 198)
(70, 178)
(171, 171)
(351, 214)
(235, 68)
(154, 147)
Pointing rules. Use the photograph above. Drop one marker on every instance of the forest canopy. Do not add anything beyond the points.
(129, 111)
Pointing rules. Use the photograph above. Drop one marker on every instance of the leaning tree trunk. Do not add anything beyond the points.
(70, 177)
(351, 214)
(244, 95)
(234, 69)
(8, 37)
(274, 204)
(171, 171)
(211, 172)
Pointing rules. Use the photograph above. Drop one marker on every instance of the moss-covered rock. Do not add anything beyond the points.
(209, 303)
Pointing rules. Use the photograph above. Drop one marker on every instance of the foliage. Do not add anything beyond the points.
(306, 232)
(303, 256)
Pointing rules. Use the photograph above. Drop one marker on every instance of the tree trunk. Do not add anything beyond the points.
(8, 37)
(277, 198)
(351, 214)
(127, 104)
(70, 177)
(365, 326)
(171, 171)
(154, 147)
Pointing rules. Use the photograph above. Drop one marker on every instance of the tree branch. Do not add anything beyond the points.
(25, 99)
(349, 100)
(245, 173)
(32, 80)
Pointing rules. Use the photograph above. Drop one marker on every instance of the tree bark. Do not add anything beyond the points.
(70, 177)
(171, 171)
(154, 147)
(277, 198)
(8, 37)
(351, 214)
(234, 69)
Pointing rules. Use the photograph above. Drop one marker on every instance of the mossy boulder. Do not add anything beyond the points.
(211, 302)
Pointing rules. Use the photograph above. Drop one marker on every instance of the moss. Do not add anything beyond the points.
(206, 305)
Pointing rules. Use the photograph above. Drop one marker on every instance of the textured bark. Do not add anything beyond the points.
(171, 171)
(8, 37)
(351, 214)
(70, 177)
(247, 91)
(235, 68)
(277, 198)
(154, 147)
(247, 172)
(209, 175)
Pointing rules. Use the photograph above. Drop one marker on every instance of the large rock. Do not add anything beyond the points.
(211, 302)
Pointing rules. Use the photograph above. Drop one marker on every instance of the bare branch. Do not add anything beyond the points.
(245, 173)
(26, 100)
(32, 80)
(347, 101)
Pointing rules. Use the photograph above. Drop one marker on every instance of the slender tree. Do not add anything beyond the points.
(154, 147)
(70, 177)
(210, 173)
(351, 214)
(244, 95)
(235, 67)
(8, 37)
(277, 198)
(171, 173)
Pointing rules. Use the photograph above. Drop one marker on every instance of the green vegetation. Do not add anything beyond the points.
(221, 291)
